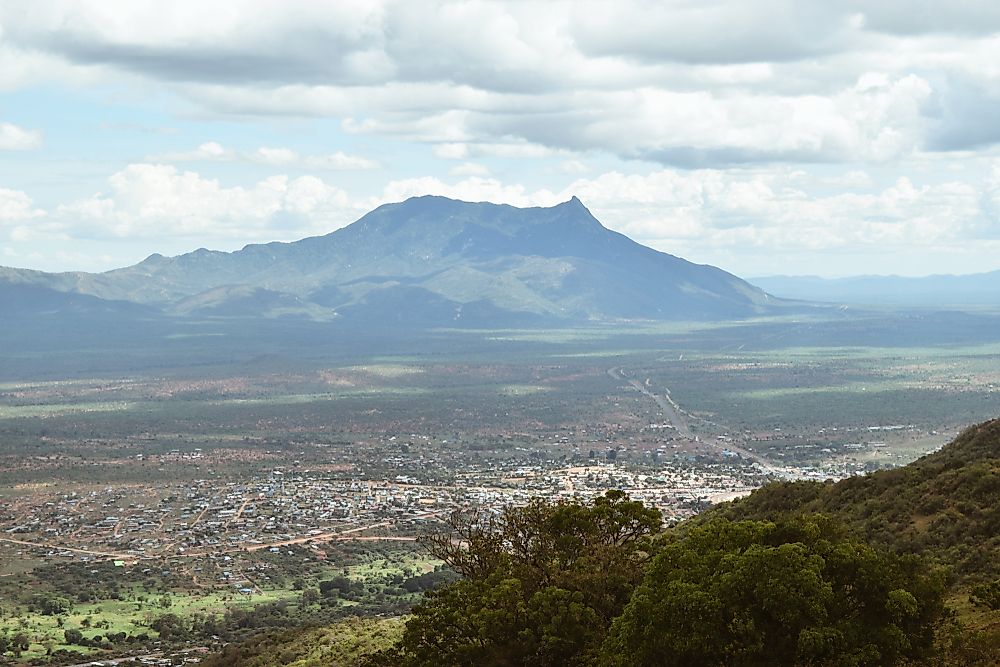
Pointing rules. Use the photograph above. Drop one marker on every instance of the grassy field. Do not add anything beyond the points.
(140, 606)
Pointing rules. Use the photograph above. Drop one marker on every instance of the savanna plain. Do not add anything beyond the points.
(198, 488)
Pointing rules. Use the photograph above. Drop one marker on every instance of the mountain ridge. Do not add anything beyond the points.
(932, 290)
(545, 263)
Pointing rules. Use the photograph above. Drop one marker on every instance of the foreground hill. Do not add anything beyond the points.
(431, 260)
(945, 505)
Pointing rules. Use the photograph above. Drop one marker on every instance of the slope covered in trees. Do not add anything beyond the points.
(945, 505)
(598, 584)
(796, 592)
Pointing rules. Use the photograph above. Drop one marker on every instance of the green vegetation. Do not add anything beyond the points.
(75, 609)
(442, 408)
(797, 573)
(572, 584)
(344, 643)
(541, 584)
(946, 505)
(759, 593)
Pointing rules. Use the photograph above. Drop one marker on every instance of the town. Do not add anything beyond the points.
(217, 519)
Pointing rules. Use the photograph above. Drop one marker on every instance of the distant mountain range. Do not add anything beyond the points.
(428, 261)
(981, 289)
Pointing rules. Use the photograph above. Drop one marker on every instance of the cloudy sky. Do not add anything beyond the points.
(795, 137)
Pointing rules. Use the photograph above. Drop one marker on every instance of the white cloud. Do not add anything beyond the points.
(573, 167)
(720, 211)
(474, 189)
(278, 157)
(156, 201)
(208, 151)
(16, 206)
(22, 220)
(451, 151)
(793, 81)
(274, 156)
(14, 138)
(765, 30)
(339, 162)
(712, 208)
(26, 67)
(775, 209)
(853, 179)
(512, 149)
(800, 125)
(470, 169)
(755, 221)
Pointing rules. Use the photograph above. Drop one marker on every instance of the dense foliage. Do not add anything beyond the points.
(574, 584)
(542, 584)
(945, 505)
(762, 593)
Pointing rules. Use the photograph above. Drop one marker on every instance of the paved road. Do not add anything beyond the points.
(671, 411)
(679, 420)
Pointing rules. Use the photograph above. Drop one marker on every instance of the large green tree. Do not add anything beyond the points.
(541, 584)
(754, 593)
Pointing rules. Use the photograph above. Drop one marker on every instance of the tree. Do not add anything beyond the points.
(51, 605)
(541, 584)
(169, 626)
(754, 593)
(72, 636)
(18, 643)
(987, 595)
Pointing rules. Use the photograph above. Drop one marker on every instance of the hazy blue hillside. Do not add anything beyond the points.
(35, 301)
(432, 260)
(944, 290)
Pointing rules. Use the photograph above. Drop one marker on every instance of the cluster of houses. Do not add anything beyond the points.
(289, 506)
(390, 492)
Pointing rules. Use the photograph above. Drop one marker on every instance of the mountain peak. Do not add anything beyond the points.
(576, 207)
(429, 257)
(572, 204)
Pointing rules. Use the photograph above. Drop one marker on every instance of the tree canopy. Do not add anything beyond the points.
(800, 592)
(541, 583)
(601, 584)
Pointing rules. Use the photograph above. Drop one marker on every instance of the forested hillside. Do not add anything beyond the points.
(945, 505)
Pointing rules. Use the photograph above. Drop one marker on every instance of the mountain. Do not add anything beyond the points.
(933, 291)
(430, 261)
(33, 300)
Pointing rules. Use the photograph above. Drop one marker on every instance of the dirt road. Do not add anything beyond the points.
(59, 547)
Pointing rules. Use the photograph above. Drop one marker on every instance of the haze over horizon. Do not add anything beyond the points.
(784, 138)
